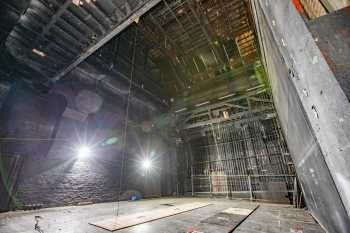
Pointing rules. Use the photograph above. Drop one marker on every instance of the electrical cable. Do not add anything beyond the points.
(126, 122)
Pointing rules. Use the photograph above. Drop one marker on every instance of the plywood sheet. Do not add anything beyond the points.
(124, 221)
(238, 211)
(229, 218)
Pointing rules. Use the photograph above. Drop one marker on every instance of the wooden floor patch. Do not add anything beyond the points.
(124, 221)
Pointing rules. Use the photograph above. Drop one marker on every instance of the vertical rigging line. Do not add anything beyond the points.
(126, 121)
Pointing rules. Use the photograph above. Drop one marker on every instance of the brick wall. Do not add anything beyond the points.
(53, 174)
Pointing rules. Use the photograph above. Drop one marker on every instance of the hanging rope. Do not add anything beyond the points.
(126, 122)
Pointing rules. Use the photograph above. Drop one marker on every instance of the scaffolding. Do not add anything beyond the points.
(239, 148)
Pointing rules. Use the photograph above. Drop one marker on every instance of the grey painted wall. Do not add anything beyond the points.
(316, 174)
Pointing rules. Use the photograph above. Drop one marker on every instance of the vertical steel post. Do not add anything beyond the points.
(250, 187)
(177, 189)
(210, 186)
(295, 193)
(192, 181)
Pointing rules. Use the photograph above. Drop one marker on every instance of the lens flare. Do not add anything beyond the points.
(84, 151)
(146, 164)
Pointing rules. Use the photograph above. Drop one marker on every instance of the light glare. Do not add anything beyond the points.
(147, 164)
(84, 151)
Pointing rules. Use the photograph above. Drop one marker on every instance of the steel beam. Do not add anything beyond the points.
(261, 114)
(54, 19)
(165, 34)
(175, 17)
(204, 30)
(223, 102)
(113, 32)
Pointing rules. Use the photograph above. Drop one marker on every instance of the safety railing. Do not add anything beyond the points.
(254, 186)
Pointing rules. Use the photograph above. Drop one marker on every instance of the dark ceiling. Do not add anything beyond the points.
(184, 46)
(201, 39)
(53, 34)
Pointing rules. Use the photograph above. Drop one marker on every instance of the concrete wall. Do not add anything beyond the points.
(312, 109)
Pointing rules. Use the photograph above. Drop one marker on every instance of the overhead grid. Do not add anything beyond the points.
(199, 39)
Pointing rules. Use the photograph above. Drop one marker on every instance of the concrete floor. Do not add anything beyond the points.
(267, 218)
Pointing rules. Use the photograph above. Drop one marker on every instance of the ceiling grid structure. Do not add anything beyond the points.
(182, 39)
(198, 41)
(55, 36)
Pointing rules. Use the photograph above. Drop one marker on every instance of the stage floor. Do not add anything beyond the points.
(272, 218)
